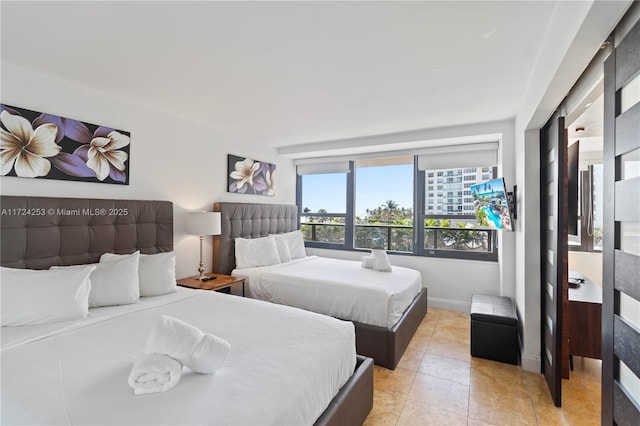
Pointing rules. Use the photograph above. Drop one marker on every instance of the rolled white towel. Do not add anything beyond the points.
(381, 260)
(209, 355)
(203, 353)
(367, 262)
(153, 373)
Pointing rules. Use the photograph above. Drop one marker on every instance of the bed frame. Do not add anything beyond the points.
(38, 232)
(249, 220)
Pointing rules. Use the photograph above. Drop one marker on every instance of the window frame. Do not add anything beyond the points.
(421, 202)
(419, 216)
(348, 215)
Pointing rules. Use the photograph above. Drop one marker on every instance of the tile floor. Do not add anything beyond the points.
(437, 382)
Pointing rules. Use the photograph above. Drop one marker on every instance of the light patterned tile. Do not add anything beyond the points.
(418, 414)
(549, 414)
(447, 347)
(536, 387)
(386, 409)
(500, 409)
(396, 381)
(437, 382)
(474, 422)
(439, 392)
(492, 376)
(446, 368)
(412, 357)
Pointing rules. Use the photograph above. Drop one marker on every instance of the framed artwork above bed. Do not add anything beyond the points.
(42, 145)
(247, 176)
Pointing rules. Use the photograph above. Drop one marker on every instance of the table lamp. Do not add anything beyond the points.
(203, 223)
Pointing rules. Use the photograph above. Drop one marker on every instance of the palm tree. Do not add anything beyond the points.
(389, 208)
(322, 219)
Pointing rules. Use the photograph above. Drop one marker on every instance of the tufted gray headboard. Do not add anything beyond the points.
(248, 220)
(38, 232)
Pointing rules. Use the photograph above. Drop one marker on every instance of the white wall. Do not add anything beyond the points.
(573, 37)
(172, 158)
(176, 159)
(588, 264)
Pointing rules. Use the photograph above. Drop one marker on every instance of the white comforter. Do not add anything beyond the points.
(284, 367)
(336, 287)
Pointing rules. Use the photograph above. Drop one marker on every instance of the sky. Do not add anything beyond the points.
(374, 186)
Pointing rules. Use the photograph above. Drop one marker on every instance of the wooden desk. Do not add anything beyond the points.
(585, 318)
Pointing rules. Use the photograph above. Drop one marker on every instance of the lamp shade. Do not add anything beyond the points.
(204, 223)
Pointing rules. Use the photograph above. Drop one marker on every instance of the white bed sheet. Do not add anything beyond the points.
(284, 367)
(336, 287)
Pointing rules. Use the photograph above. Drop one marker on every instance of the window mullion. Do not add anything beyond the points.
(299, 197)
(351, 200)
(418, 208)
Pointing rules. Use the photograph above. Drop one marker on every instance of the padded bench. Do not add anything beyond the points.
(494, 328)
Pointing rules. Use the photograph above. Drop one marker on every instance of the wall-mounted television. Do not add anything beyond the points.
(491, 205)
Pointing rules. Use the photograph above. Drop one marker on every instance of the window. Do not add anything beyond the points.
(390, 203)
(322, 218)
(450, 222)
(384, 204)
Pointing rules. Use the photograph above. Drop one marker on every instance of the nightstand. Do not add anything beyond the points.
(221, 282)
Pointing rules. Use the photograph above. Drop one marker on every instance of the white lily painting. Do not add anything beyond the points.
(247, 176)
(40, 145)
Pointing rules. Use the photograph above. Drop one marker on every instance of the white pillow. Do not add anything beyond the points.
(283, 248)
(381, 260)
(156, 272)
(256, 252)
(38, 297)
(114, 282)
(295, 240)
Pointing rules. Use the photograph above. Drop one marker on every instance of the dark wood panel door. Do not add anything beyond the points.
(554, 269)
(621, 238)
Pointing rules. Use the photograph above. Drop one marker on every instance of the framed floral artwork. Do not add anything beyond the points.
(247, 176)
(41, 145)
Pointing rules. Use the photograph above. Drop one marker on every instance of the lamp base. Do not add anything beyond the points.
(201, 270)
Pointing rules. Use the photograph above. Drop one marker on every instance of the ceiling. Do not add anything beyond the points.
(285, 73)
(591, 120)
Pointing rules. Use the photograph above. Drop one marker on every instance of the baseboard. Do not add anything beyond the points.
(531, 363)
(449, 305)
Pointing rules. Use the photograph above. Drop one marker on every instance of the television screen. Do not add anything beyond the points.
(491, 205)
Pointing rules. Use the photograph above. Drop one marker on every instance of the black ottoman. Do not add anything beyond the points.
(494, 328)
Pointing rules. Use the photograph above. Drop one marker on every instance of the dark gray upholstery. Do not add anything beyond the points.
(248, 220)
(354, 401)
(495, 309)
(38, 232)
(494, 328)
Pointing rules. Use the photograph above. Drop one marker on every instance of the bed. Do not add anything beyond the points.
(386, 309)
(282, 369)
